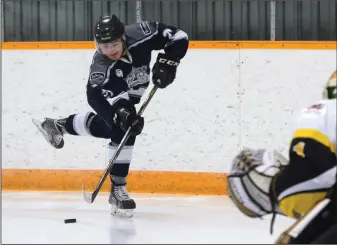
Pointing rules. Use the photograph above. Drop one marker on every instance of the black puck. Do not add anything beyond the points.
(69, 221)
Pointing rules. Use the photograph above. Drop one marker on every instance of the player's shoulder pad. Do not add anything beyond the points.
(100, 70)
(139, 32)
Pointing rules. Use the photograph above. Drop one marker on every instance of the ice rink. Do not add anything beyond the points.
(38, 217)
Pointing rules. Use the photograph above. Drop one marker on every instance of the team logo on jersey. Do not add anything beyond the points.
(119, 73)
(299, 149)
(97, 76)
(137, 76)
(316, 107)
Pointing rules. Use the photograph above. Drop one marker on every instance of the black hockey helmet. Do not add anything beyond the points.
(108, 28)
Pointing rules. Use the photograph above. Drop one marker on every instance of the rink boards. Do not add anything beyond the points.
(227, 95)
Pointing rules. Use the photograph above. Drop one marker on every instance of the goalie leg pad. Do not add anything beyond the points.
(318, 226)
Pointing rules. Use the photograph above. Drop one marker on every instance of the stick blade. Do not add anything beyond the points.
(87, 196)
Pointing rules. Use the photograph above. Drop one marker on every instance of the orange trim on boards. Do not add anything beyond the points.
(161, 182)
(193, 45)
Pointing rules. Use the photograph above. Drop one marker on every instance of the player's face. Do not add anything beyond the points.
(113, 50)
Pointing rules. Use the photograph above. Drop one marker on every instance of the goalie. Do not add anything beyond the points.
(262, 181)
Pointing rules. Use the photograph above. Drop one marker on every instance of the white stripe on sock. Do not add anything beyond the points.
(124, 156)
(80, 124)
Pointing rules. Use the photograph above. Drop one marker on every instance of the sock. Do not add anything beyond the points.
(78, 124)
(120, 169)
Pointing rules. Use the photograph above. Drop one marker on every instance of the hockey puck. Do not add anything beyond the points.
(67, 221)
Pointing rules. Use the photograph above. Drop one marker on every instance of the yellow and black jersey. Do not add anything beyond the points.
(318, 123)
(312, 160)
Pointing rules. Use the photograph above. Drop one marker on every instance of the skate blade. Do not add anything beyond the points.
(123, 213)
(37, 123)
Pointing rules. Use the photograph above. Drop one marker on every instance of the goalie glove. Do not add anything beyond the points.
(250, 179)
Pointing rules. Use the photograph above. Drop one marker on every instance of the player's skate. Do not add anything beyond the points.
(52, 130)
(121, 203)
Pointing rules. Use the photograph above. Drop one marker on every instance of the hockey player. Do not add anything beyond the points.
(118, 77)
(262, 181)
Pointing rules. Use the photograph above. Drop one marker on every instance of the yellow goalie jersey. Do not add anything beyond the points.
(312, 160)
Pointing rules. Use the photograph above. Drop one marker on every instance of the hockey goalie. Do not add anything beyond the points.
(262, 181)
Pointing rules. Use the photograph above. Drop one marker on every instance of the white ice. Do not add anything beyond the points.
(38, 217)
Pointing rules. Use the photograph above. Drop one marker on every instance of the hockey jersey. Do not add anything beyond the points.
(312, 168)
(115, 84)
(318, 122)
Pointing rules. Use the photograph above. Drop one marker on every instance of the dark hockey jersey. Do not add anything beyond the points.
(121, 83)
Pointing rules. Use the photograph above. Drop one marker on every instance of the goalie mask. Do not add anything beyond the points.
(330, 90)
(250, 179)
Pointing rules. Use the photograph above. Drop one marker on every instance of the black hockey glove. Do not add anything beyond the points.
(164, 70)
(127, 117)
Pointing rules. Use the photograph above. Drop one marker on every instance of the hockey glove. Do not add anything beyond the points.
(250, 179)
(164, 70)
(127, 117)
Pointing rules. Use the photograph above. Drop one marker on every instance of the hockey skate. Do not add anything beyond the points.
(121, 203)
(52, 131)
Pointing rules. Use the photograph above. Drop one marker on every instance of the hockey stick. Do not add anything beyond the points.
(297, 228)
(90, 197)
